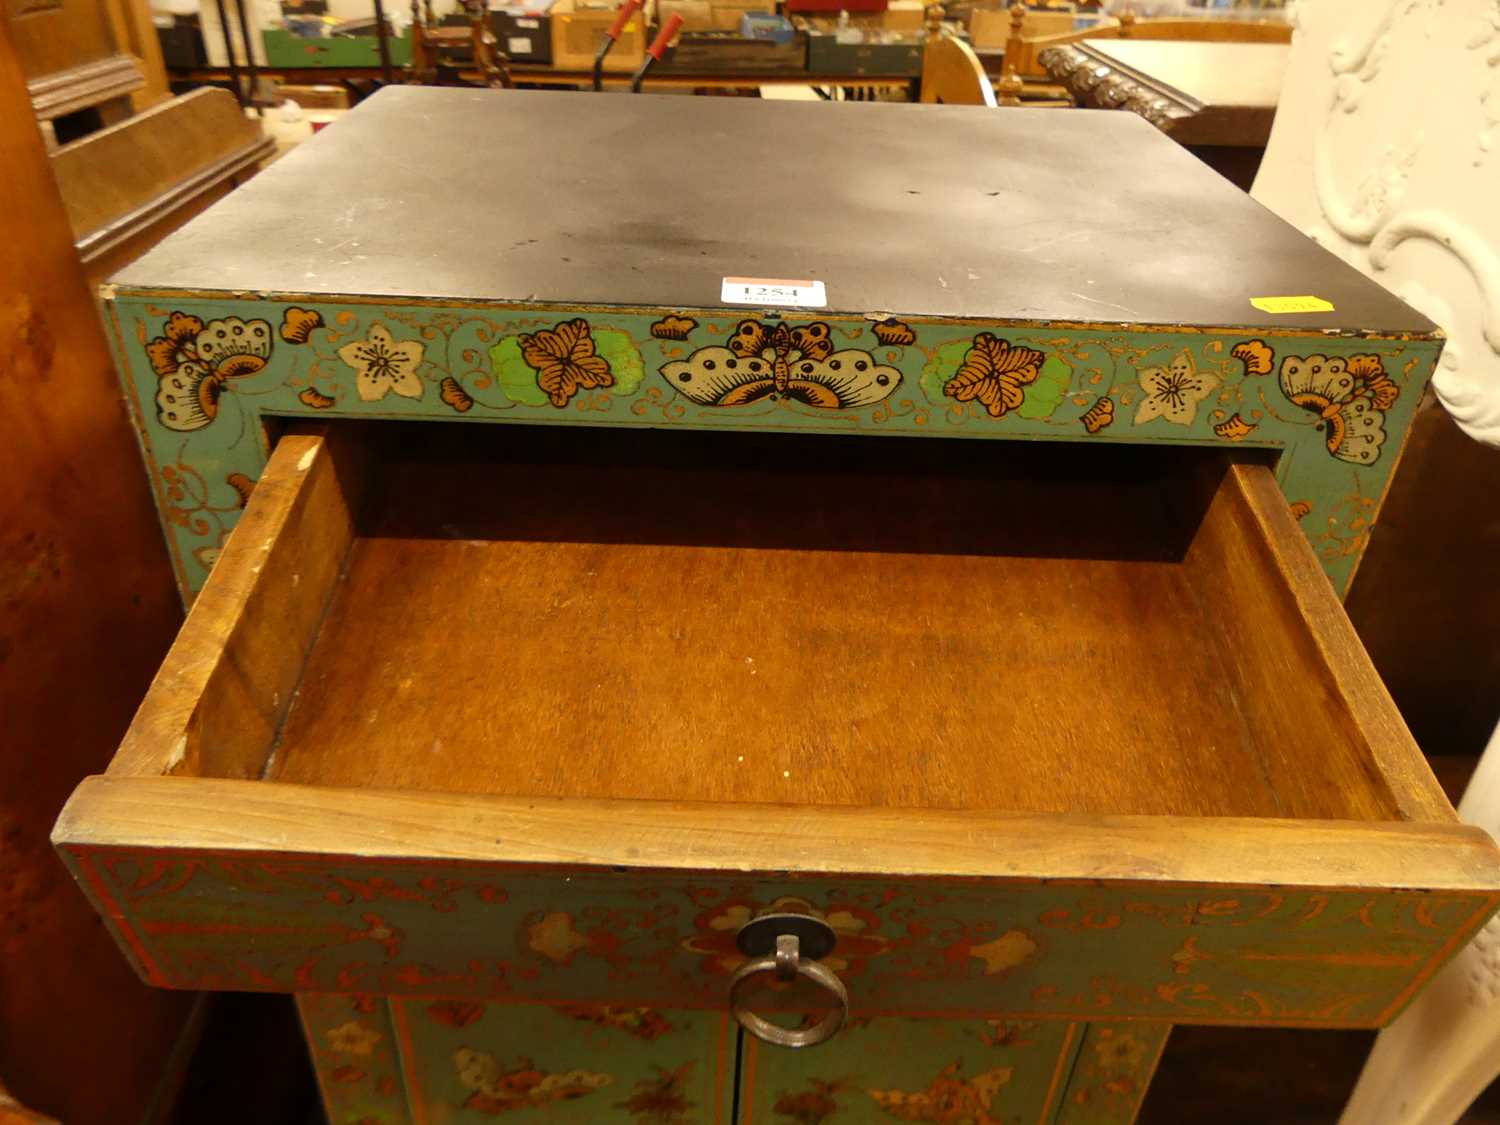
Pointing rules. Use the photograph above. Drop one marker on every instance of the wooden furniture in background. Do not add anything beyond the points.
(127, 186)
(1218, 99)
(951, 73)
(488, 742)
(87, 607)
(1023, 51)
(76, 55)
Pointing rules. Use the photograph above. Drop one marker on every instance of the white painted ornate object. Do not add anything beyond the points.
(1386, 149)
(1445, 1049)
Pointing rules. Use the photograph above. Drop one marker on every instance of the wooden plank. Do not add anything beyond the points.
(242, 816)
(87, 84)
(87, 607)
(217, 702)
(1280, 591)
(119, 181)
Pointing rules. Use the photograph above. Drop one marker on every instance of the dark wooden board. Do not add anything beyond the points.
(919, 210)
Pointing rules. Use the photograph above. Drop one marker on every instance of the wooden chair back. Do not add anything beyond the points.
(126, 186)
(951, 72)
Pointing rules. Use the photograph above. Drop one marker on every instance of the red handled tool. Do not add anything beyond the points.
(622, 17)
(657, 49)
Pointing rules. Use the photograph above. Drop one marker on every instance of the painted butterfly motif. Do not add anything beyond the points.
(782, 362)
(1349, 398)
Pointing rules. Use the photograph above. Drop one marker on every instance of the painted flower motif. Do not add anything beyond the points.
(995, 372)
(194, 363)
(315, 398)
(1301, 508)
(673, 327)
(497, 1090)
(1235, 428)
(661, 1098)
(640, 1023)
(453, 394)
(1174, 392)
(352, 1038)
(383, 364)
(949, 1099)
(242, 486)
(1004, 953)
(1101, 414)
(297, 324)
(718, 926)
(1118, 1050)
(1256, 355)
(894, 332)
(455, 1013)
(812, 1106)
(564, 360)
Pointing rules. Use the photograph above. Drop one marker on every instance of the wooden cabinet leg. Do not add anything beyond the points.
(352, 1041)
(1111, 1073)
(1444, 1050)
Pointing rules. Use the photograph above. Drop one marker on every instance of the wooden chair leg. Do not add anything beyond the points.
(1443, 1051)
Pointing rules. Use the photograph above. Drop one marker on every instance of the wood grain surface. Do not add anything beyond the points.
(87, 608)
(981, 630)
(197, 815)
(219, 697)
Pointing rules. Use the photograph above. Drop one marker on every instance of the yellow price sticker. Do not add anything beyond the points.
(1292, 304)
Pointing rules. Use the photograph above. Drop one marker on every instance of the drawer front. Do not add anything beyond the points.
(1031, 948)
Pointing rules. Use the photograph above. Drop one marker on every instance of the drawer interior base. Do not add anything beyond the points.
(761, 618)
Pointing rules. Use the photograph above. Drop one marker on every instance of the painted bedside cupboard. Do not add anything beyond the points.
(537, 754)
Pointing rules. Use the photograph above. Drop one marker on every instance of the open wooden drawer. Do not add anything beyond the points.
(546, 715)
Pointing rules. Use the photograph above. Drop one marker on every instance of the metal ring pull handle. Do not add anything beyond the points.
(787, 963)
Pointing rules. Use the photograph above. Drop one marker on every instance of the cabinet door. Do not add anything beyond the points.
(963, 1072)
(892, 1069)
(415, 1061)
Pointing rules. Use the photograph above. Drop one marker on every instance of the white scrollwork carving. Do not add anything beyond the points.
(1431, 181)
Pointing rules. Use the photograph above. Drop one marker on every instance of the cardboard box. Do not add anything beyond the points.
(723, 52)
(577, 33)
(856, 52)
(990, 27)
(697, 15)
(727, 13)
(524, 31)
(904, 15)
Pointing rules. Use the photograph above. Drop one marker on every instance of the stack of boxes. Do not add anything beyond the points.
(579, 26)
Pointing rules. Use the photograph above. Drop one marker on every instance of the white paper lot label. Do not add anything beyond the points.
(773, 292)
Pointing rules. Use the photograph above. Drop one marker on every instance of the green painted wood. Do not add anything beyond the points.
(468, 1063)
(975, 1072)
(918, 946)
(205, 376)
(1111, 1073)
(352, 1042)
